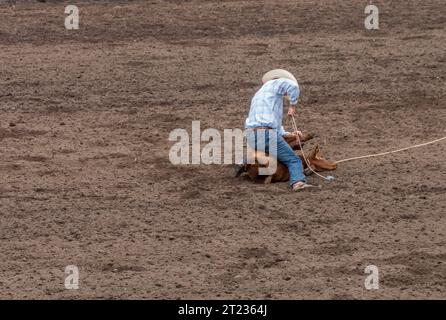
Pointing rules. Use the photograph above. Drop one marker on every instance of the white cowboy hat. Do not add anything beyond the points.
(278, 73)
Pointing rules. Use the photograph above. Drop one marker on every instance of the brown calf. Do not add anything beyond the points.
(314, 158)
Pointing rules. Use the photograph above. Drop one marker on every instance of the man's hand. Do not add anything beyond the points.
(293, 136)
(292, 111)
(298, 133)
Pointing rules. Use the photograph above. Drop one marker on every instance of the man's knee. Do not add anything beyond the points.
(290, 159)
(296, 160)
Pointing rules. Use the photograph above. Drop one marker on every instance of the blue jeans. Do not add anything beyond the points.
(269, 141)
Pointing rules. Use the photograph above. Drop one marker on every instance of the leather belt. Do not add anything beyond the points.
(261, 128)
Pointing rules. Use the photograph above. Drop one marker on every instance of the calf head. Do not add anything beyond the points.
(317, 161)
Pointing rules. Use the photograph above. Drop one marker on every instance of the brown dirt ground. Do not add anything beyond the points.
(84, 171)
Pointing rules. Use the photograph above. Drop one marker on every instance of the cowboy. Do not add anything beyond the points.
(264, 123)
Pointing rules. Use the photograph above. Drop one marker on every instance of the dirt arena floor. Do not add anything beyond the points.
(85, 177)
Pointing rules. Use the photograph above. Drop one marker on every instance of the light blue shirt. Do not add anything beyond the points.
(267, 104)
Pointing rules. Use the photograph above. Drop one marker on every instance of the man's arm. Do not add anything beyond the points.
(282, 131)
(291, 89)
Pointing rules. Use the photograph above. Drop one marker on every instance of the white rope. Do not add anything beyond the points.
(360, 157)
(389, 152)
(303, 153)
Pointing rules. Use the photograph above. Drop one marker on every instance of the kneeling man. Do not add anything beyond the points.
(264, 122)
